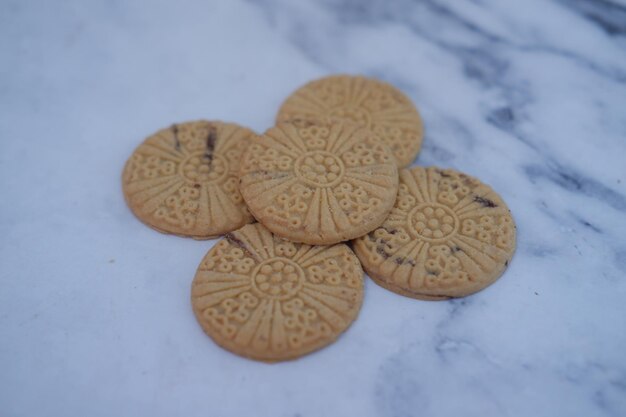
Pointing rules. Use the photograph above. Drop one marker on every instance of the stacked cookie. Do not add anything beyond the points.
(330, 171)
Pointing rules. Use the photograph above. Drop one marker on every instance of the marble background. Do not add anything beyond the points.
(529, 96)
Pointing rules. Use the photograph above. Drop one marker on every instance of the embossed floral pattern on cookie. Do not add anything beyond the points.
(183, 179)
(368, 102)
(270, 299)
(448, 235)
(319, 184)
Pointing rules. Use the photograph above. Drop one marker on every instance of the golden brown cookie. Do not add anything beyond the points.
(319, 184)
(269, 299)
(448, 235)
(183, 179)
(366, 101)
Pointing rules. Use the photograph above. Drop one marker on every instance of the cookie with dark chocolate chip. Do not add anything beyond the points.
(368, 102)
(183, 179)
(448, 235)
(266, 298)
(319, 184)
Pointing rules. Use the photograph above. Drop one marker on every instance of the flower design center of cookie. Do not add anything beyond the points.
(202, 167)
(320, 168)
(433, 221)
(353, 114)
(278, 278)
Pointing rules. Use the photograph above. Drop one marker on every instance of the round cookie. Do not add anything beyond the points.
(319, 184)
(183, 179)
(448, 235)
(269, 299)
(375, 104)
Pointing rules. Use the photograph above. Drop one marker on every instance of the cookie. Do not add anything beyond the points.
(366, 101)
(269, 299)
(448, 235)
(183, 179)
(319, 184)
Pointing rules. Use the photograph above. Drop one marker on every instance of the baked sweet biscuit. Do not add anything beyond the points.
(448, 235)
(183, 179)
(372, 103)
(319, 184)
(269, 299)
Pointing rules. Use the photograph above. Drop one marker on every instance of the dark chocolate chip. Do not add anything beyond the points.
(234, 240)
(175, 133)
(485, 202)
(381, 252)
(210, 144)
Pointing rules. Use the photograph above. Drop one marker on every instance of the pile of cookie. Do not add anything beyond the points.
(331, 170)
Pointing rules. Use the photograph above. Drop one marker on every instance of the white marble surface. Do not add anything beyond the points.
(529, 96)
